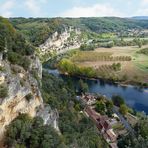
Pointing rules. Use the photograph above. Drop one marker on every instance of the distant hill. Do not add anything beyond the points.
(140, 17)
(37, 30)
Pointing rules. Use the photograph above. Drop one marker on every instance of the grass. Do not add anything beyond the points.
(141, 61)
(135, 70)
(118, 127)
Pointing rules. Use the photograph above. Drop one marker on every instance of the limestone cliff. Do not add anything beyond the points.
(60, 42)
(20, 85)
(20, 79)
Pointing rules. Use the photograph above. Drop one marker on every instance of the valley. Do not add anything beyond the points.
(49, 66)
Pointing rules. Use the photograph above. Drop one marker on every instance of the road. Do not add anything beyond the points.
(124, 121)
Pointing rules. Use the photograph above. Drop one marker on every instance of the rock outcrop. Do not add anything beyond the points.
(23, 94)
(59, 43)
(49, 116)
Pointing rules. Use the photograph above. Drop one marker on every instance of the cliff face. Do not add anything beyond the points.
(20, 79)
(59, 43)
(23, 92)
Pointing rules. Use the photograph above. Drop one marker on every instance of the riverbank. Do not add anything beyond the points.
(135, 97)
(121, 83)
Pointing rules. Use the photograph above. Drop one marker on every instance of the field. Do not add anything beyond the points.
(134, 66)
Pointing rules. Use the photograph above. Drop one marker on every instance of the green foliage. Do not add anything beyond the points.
(132, 142)
(116, 66)
(16, 58)
(52, 88)
(27, 132)
(100, 107)
(92, 56)
(83, 86)
(6, 33)
(123, 109)
(66, 66)
(85, 47)
(141, 127)
(140, 139)
(104, 106)
(2, 68)
(29, 97)
(138, 42)
(143, 51)
(77, 130)
(118, 101)
(3, 91)
(15, 45)
(37, 30)
(109, 108)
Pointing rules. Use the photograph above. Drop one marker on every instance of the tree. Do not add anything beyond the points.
(110, 45)
(85, 47)
(27, 132)
(139, 43)
(123, 109)
(83, 86)
(141, 127)
(100, 107)
(118, 100)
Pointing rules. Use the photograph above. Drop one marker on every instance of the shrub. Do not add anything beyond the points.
(85, 47)
(14, 58)
(117, 100)
(123, 109)
(143, 51)
(29, 97)
(22, 82)
(26, 63)
(3, 91)
(2, 68)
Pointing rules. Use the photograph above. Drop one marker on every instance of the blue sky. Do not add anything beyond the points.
(73, 8)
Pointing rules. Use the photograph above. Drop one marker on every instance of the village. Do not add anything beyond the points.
(108, 120)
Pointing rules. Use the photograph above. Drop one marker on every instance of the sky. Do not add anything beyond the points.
(73, 8)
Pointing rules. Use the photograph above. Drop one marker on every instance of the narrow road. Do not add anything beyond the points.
(124, 121)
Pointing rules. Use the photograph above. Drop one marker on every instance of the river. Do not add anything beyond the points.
(137, 98)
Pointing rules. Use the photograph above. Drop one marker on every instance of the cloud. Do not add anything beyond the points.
(6, 8)
(145, 2)
(143, 8)
(142, 11)
(33, 7)
(92, 11)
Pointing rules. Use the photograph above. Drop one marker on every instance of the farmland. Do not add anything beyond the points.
(133, 69)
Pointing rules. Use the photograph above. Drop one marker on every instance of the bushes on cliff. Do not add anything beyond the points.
(16, 58)
(27, 132)
(3, 91)
(29, 97)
